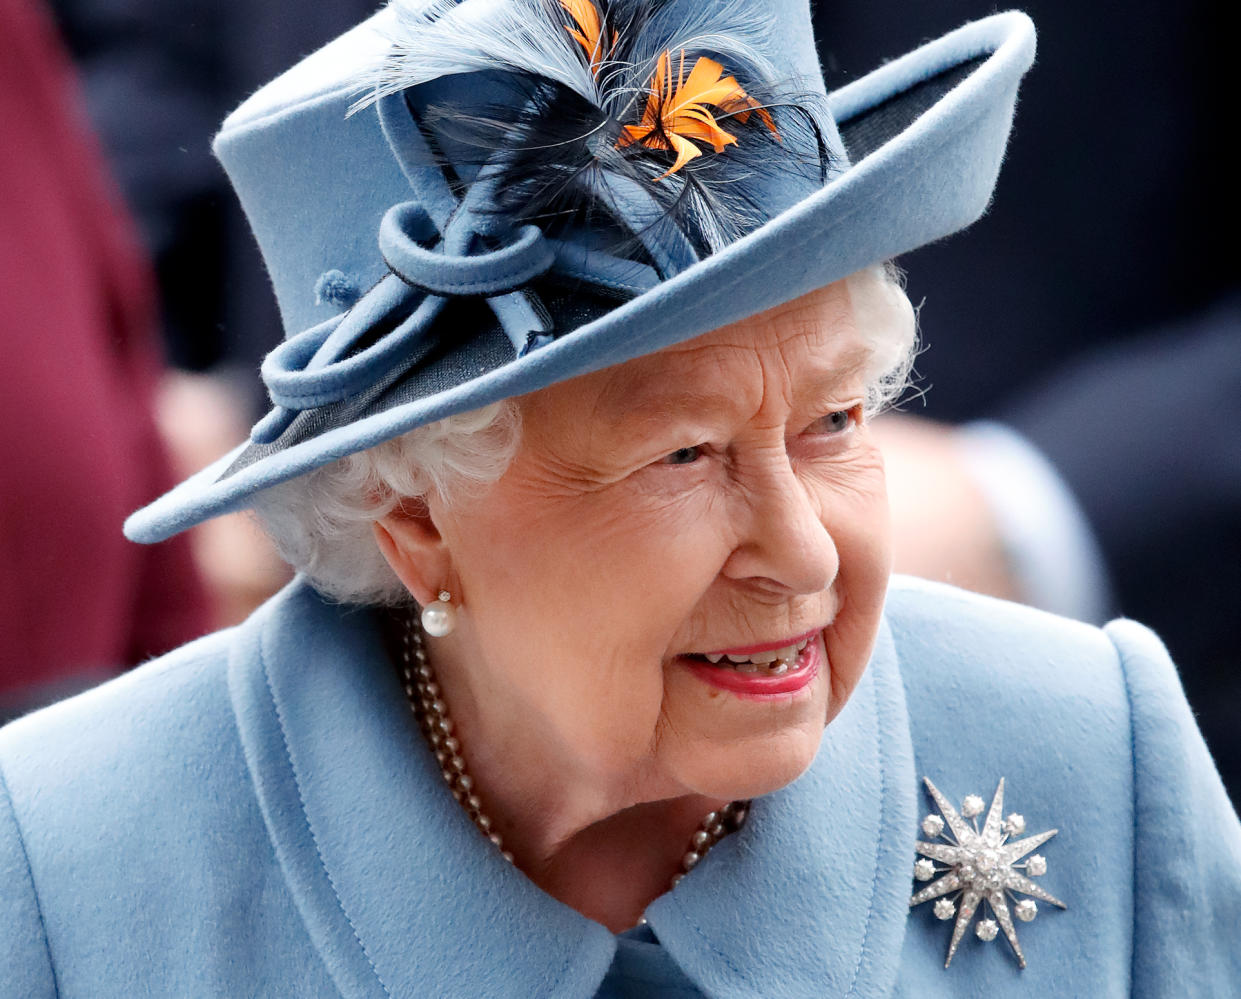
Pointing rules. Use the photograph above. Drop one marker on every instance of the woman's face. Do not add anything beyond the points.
(719, 495)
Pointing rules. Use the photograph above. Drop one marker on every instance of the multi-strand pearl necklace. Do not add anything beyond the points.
(427, 703)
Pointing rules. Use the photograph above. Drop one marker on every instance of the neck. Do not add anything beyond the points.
(606, 855)
(611, 870)
(605, 852)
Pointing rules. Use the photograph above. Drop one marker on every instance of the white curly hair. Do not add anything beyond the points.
(321, 522)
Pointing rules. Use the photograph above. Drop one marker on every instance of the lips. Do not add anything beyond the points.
(775, 669)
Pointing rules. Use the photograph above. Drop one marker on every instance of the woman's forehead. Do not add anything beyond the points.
(809, 346)
(806, 352)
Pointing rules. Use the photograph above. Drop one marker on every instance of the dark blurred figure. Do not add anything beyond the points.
(80, 450)
(1094, 310)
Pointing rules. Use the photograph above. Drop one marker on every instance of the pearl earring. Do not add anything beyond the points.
(440, 618)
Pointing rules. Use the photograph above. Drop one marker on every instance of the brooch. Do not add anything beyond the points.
(981, 867)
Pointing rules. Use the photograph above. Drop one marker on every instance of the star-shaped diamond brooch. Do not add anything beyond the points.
(980, 868)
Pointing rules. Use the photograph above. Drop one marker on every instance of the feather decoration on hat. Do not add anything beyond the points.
(591, 91)
(678, 112)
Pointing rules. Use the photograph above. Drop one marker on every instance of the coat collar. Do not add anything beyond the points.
(401, 896)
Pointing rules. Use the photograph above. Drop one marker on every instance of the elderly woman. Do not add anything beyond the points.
(592, 682)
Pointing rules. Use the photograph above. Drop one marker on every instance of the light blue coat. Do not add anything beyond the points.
(254, 815)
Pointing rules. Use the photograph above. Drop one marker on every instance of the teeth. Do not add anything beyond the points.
(775, 662)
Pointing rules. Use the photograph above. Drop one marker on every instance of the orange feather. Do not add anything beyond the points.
(589, 30)
(677, 112)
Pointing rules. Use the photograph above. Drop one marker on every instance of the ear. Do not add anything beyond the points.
(412, 545)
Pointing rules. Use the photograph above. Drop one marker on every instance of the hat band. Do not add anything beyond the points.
(407, 226)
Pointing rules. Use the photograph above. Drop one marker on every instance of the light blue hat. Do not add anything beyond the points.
(460, 202)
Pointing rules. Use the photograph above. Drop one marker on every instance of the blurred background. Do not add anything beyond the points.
(1073, 440)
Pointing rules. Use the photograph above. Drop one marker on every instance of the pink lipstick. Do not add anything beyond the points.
(758, 682)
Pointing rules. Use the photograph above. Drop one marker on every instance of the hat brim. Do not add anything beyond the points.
(925, 134)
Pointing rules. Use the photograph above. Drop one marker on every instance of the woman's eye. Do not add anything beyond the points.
(683, 456)
(833, 423)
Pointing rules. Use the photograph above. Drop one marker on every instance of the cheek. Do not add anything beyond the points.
(624, 563)
(857, 517)
(599, 586)
(859, 521)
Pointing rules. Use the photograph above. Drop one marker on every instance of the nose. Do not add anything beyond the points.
(783, 543)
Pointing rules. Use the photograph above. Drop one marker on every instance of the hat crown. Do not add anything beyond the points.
(316, 180)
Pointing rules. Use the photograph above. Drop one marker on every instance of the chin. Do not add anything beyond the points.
(753, 768)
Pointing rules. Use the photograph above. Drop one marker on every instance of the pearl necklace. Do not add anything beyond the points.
(428, 707)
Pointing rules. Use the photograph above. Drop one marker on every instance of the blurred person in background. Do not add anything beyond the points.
(79, 443)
